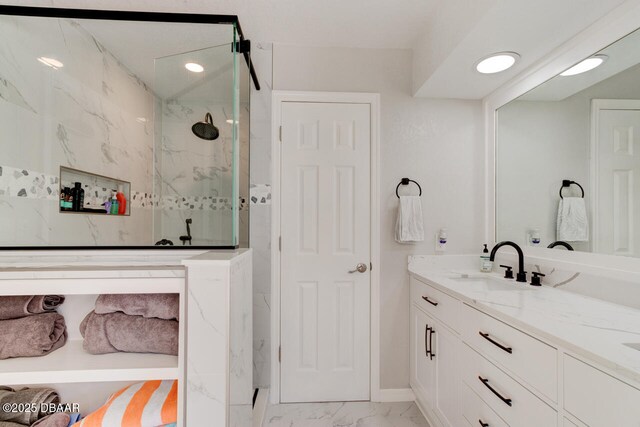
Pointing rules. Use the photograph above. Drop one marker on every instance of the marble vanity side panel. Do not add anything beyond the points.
(207, 344)
(240, 330)
(241, 340)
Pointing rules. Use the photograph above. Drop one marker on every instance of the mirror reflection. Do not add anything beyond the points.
(122, 133)
(568, 157)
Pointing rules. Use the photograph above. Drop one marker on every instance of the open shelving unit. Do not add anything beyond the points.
(71, 364)
(71, 368)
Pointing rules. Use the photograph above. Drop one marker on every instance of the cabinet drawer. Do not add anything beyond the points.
(598, 399)
(476, 412)
(525, 357)
(511, 401)
(440, 305)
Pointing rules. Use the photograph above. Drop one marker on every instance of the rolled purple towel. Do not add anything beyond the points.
(59, 419)
(161, 306)
(14, 307)
(119, 332)
(35, 396)
(31, 336)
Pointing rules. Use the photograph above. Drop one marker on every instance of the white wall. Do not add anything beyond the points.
(435, 142)
(540, 143)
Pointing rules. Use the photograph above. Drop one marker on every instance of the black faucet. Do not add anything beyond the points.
(521, 276)
(187, 238)
(560, 243)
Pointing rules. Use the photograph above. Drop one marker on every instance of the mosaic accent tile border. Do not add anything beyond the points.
(15, 182)
(260, 194)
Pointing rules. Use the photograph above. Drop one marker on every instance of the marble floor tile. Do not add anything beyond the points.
(345, 414)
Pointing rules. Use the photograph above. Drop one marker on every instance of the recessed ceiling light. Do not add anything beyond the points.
(586, 65)
(193, 67)
(497, 62)
(50, 62)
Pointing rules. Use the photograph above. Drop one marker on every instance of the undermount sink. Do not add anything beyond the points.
(491, 283)
(633, 345)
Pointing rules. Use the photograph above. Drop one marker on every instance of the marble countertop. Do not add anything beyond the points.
(91, 272)
(592, 328)
(109, 264)
(216, 257)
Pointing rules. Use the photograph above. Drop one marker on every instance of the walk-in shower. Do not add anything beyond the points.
(146, 110)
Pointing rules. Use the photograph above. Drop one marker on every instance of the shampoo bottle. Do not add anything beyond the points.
(114, 203)
(485, 262)
(122, 201)
(78, 197)
(68, 199)
(63, 199)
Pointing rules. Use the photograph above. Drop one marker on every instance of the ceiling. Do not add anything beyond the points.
(447, 36)
(622, 55)
(157, 52)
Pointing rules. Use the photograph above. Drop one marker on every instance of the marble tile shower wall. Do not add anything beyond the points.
(260, 239)
(86, 115)
(197, 174)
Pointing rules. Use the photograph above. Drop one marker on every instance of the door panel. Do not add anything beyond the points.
(423, 378)
(325, 225)
(618, 177)
(447, 379)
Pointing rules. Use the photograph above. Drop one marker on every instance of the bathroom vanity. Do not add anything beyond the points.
(493, 352)
(214, 362)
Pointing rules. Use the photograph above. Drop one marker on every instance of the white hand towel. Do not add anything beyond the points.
(409, 227)
(572, 225)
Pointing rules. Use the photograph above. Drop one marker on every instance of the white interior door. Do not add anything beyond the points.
(618, 182)
(325, 226)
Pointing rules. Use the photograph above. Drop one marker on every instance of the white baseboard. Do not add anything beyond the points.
(260, 408)
(395, 395)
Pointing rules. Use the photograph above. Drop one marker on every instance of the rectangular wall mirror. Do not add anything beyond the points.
(568, 157)
(150, 110)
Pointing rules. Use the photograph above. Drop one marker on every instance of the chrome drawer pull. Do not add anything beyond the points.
(429, 301)
(486, 383)
(497, 344)
(483, 424)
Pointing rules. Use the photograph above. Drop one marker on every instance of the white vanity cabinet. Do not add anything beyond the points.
(434, 355)
(588, 390)
(475, 368)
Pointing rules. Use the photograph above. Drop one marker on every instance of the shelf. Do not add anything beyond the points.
(97, 190)
(71, 364)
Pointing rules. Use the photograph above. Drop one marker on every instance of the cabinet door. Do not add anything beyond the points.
(422, 367)
(445, 359)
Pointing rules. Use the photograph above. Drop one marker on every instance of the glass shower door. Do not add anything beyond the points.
(196, 147)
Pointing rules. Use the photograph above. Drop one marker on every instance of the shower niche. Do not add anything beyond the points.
(96, 196)
(159, 102)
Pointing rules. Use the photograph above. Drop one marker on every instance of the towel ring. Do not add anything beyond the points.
(406, 181)
(567, 183)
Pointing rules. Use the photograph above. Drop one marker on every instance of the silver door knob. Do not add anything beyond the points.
(360, 268)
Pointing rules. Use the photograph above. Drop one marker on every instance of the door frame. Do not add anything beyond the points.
(598, 105)
(373, 100)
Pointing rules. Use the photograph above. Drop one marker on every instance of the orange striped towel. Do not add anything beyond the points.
(147, 404)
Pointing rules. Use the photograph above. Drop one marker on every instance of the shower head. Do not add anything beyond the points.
(206, 129)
